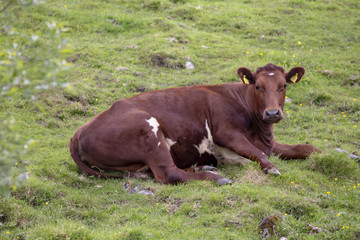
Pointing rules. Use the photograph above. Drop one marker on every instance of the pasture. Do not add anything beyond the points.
(120, 48)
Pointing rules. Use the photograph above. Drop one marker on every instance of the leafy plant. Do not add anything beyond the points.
(29, 62)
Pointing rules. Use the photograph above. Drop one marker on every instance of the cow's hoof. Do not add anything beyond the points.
(224, 181)
(273, 171)
(209, 168)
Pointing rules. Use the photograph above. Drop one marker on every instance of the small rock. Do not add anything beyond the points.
(189, 65)
(98, 186)
(133, 46)
(327, 72)
(121, 69)
(134, 189)
(174, 40)
(204, 47)
(313, 229)
(168, 17)
(146, 192)
(283, 238)
(288, 100)
(82, 178)
(199, 7)
(352, 156)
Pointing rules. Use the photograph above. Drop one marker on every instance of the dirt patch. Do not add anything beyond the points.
(165, 61)
(353, 80)
(173, 204)
(74, 58)
(253, 176)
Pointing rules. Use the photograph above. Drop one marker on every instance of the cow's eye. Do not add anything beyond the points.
(285, 86)
(257, 87)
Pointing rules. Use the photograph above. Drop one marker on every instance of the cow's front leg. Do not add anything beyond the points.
(240, 145)
(298, 151)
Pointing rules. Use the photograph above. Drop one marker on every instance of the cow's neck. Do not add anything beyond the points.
(263, 132)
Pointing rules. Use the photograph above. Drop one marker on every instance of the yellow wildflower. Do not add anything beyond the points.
(338, 214)
(300, 104)
(354, 99)
(336, 179)
(247, 52)
(299, 43)
(261, 54)
(327, 192)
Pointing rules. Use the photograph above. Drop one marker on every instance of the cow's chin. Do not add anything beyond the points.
(272, 120)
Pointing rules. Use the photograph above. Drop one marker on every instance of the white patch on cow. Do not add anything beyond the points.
(222, 154)
(154, 124)
(271, 74)
(169, 143)
(226, 156)
(204, 146)
(159, 144)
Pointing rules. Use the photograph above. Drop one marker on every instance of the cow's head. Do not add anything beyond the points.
(268, 87)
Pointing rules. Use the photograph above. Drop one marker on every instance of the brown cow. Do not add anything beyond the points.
(178, 128)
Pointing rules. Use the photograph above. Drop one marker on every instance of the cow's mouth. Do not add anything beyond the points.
(272, 116)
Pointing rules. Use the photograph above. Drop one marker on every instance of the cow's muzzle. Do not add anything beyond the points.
(273, 115)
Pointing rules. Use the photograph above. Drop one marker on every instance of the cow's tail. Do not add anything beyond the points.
(74, 150)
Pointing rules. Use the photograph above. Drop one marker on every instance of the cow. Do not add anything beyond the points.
(177, 132)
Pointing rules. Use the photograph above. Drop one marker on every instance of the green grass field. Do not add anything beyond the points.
(121, 48)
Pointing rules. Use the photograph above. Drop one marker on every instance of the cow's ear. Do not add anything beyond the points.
(245, 75)
(295, 74)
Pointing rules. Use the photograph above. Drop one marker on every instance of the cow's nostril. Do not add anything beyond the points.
(270, 113)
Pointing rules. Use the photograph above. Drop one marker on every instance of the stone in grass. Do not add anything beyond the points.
(134, 189)
(122, 69)
(313, 229)
(189, 65)
(352, 156)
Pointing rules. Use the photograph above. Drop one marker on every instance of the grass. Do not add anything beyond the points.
(154, 39)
